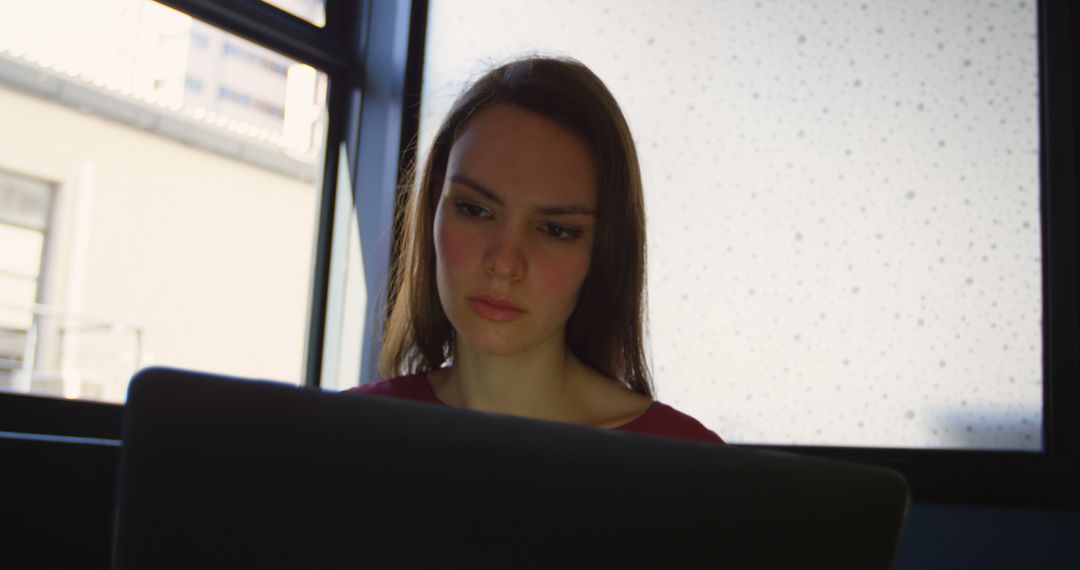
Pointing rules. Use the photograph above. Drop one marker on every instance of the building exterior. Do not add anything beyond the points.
(158, 195)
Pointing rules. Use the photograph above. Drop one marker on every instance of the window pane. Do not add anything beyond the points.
(843, 204)
(313, 11)
(185, 167)
(16, 311)
(22, 251)
(24, 202)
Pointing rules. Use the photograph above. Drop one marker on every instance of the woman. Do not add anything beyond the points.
(520, 279)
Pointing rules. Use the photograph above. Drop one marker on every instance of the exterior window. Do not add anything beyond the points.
(247, 101)
(193, 84)
(182, 224)
(199, 40)
(267, 62)
(25, 208)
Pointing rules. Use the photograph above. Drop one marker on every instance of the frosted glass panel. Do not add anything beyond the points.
(842, 200)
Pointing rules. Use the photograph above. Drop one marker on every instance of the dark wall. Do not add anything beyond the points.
(60, 497)
(57, 503)
(952, 536)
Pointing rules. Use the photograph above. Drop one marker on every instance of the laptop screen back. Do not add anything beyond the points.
(225, 473)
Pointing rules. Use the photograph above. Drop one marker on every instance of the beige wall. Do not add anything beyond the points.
(209, 256)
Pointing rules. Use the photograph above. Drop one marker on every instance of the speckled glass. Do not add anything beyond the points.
(842, 199)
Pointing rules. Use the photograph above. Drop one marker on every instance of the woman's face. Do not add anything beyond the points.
(514, 230)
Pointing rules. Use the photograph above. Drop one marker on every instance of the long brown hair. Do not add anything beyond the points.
(606, 329)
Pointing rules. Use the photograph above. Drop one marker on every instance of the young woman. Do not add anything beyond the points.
(520, 280)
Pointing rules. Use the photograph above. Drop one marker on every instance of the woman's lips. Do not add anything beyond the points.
(495, 309)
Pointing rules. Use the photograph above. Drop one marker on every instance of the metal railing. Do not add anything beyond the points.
(63, 354)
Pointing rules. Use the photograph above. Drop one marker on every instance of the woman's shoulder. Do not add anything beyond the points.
(410, 387)
(664, 420)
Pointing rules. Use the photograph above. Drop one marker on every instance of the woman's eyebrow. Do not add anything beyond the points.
(566, 211)
(545, 210)
(480, 188)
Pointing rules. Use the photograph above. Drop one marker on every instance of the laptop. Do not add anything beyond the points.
(221, 472)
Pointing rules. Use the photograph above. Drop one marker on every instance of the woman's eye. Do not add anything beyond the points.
(471, 210)
(560, 233)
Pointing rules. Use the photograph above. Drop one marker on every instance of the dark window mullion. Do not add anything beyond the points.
(1061, 253)
(345, 21)
(338, 115)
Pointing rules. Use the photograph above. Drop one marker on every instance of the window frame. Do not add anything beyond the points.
(1047, 479)
(362, 49)
(377, 46)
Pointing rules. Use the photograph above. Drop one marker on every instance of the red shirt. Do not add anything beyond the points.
(659, 419)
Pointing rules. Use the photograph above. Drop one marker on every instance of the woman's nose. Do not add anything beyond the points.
(505, 259)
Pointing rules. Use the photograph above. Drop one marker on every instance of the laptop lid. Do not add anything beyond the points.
(226, 473)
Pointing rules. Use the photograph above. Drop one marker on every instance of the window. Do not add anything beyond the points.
(888, 220)
(193, 84)
(184, 225)
(249, 56)
(227, 94)
(199, 40)
(843, 206)
(314, 93)
(25, 210)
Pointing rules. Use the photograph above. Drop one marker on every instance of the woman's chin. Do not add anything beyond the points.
(502, 339)
(495, 343)
(496, 347)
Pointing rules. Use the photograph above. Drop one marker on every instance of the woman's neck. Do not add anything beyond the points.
(537, 383)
